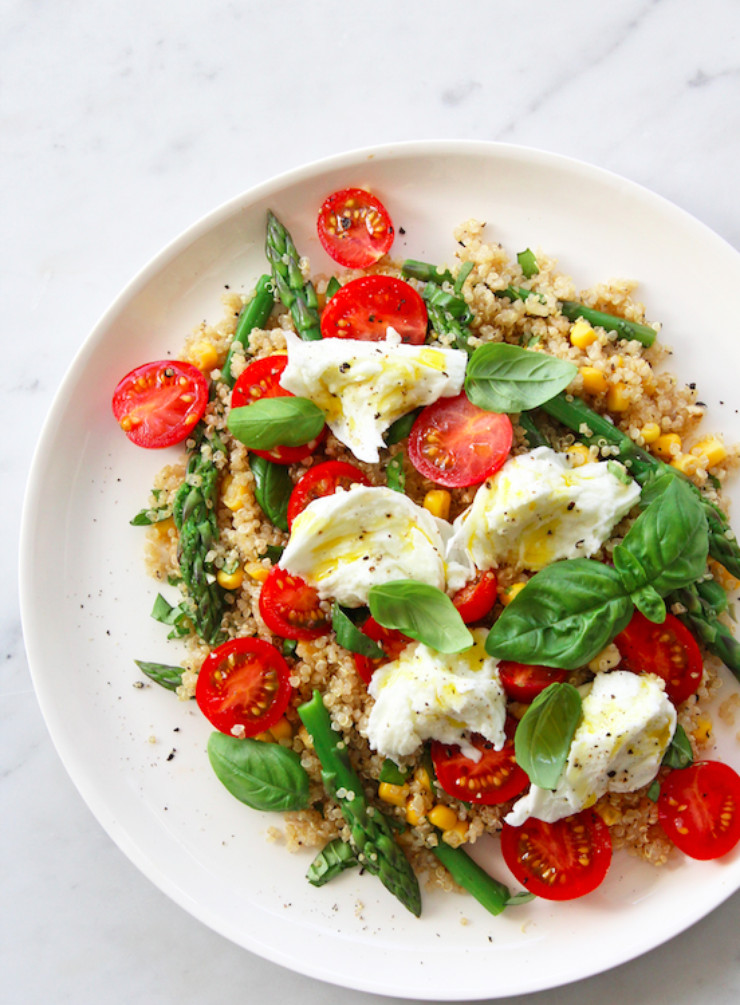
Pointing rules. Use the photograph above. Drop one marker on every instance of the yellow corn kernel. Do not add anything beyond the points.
(422, 777)
(395, 794)
(204, 356)
(265, 737)
(582, 334)
(437, 501)
(282, 730)
(578, 454)
(233, 493)
(257, 571)
(506, 596)
(711, 449)
(594, 381)
(457, 834)
(608, 813)
(230, 580)
(412, 816)
(617, 399)
(442, 816)
(702, 731)
(667, 446)
(686, 463)
(650, 432)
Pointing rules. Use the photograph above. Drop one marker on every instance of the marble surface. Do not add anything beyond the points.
(122, 124)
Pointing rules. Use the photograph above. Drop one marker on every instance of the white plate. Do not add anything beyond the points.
(86, 599)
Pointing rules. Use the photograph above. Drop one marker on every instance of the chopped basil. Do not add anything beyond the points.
(528, 263)
(392, 774)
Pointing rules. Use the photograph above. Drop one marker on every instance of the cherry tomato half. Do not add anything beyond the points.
(477, 597)
(364, 309)
(392, 642)
(322, 480)
(699, 809)
(244, 682)
(261, 379)
(668, 650)
(492, 780)
(290, 607)
(559, 861)
(523, 682)
(159, 404)
(354, 227)
(455, 443)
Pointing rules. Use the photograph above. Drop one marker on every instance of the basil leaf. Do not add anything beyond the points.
(630, 569)
(395, 474)
(391, 773)
(178, 617)
(422, 612)
(264, 776)
(679, 753)
(563, 617)
(331, 288)
(650, 603)
(272, 488)
(332, 860)
(167, 676)
(528, 263)
(507, 378)
(544, 734)
(276, 422)
(350, 636)
(401, 428)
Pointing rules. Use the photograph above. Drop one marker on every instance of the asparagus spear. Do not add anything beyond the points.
(468, 874)
(700, 615)
(298, 296)
(254, 315)
(333, 859)
(371, 834)
(448, 313)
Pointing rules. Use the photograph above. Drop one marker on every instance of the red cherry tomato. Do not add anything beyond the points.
(392, 642)
(159, 404)
(668, 650)
(290, 607)
(354, 227)
(477, 597)
(455, 443)
(559, 861)
(523, 682)
(244, 682)
(364, 308)
(322, 480)
(699, 809)
(494, 779)
(261, 379)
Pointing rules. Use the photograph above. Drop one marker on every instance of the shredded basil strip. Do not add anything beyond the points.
(528, 263)
(276, 422)
(507, 378)
(272, 488)
(265, 776)
(422, 612)
(679, 753)
(350, 636)
(161, 673)
(544, 734)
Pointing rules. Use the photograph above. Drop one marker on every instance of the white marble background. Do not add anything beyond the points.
(123, 123)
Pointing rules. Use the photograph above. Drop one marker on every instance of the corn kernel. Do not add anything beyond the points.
(204, 356)
(437, 501)
(257, 571)
(650, 432)
(710, 449)
(582, 334)
(686, 463)
(667, 446)
(617, 399)
(456, 835)
(412, 816)
(594, 381)
(442, 816)
(265, 737)
(702, 731)
(578, 454)
(422, 777)
(282, 730)
(608, 813)
(233, 493)
(395, 794)
(230, 580)
(506, 596)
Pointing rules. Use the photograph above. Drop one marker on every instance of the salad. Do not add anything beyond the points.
(450, 560)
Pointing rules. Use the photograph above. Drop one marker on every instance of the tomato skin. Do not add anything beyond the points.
(477, 597)
(494, 779)
(454, 443)
(391, 640)
(668, 650)
(261, 379)
(159, 404)
(364, 308)
(559, 861)
(290, 607)
(355, 228)
(699, 809)
(239, 676)
(523, 682)
(322, 480)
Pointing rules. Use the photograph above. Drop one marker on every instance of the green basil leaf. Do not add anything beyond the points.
(544, 734)
(272, 488)
(670, 539)
(332, 860)
(565, 615)
(401, 428)
(276, 422)
(391, 773)
(178, 617)
(422, 612)
(395, 473)
(528, 263)
(350, 636)
(507, 378)
(650, 603)
(167, 676)
(679, 753)
(331, 287)
(630, 569)
(264, 776)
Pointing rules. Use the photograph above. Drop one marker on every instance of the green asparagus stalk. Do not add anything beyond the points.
(488, 891)
(254, 315)
(298, 296)
(630, 330)
(700, 615)
(371, 834)
(534, 435)
(335, 858)
(448, 315)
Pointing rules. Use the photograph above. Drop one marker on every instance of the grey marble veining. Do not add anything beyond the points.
(121, 125)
